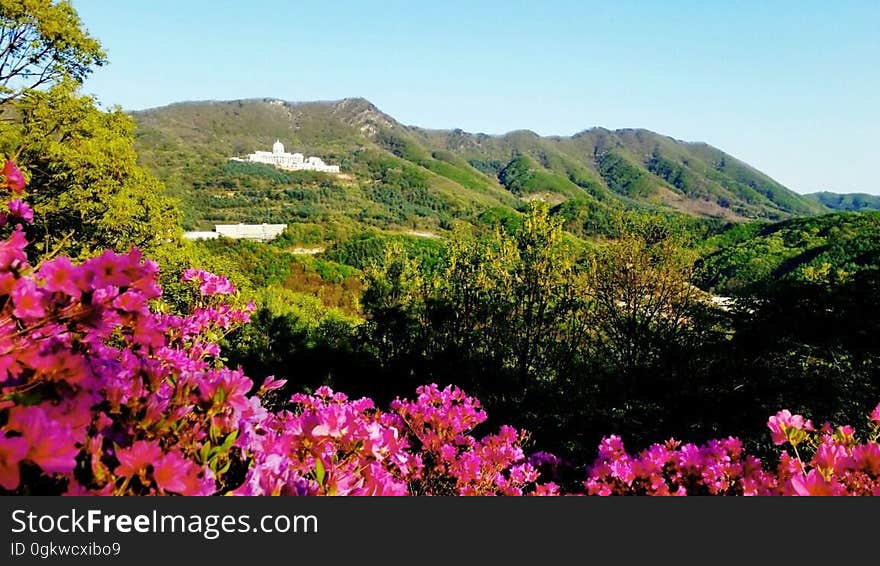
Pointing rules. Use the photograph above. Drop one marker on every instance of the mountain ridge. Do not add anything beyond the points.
(853, 202)
(595, 168)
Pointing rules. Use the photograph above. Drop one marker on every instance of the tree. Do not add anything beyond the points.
(513, 299)
(500, 315)
(88, 191)
(643, 299)
(42, 43)
(395, 298)
(653, 335)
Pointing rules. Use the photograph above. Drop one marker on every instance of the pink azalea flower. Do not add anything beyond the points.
(846, 434)
(831, 456)
(875, 414)
(19, 209)
(271, 384)
(227, 386)
(60, 276)
(52, 444)
(28, 300)
(546, 489)
(814, 484)
(108, 270)
(172, 472)
(12, 451)
(135, 459)
(131, 301)
(13, 178)
(209, 284)
(866, 457)
(12, 251)
(784, 420)
(148, 334)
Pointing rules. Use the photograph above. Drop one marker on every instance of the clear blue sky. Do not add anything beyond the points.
(791, 87)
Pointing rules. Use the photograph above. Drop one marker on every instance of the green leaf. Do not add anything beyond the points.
(320, 472)
(230, 440)
(204, 452)
(214, 432)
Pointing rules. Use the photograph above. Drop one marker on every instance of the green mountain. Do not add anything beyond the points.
(404, 178)
(855, 202)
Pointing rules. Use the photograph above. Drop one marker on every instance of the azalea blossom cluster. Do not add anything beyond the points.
(328, 445)
(720, 467)
(442, 421)
(210, 285)
(838, 464)
(16, 210)
(100, 393)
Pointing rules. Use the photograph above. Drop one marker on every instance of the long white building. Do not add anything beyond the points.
(290, 161)
(258, 232)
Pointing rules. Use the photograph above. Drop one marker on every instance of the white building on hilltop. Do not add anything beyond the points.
(290, 161)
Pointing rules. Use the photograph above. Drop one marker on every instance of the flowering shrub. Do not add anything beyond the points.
(101, 394)
(838, 464)
(459, 463)
(98, 393)
(328, 445)
(720, 467)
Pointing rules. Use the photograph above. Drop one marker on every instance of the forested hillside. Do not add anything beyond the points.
(750, 258)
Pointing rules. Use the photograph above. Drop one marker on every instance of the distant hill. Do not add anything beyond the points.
(750, 257)
(855, 202)
(404, 177)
